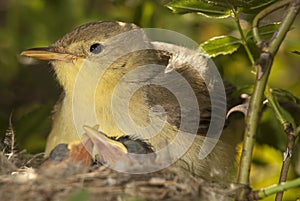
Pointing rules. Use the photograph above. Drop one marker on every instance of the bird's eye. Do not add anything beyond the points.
(96, 48)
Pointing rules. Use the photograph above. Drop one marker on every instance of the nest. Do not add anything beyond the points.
(26, 177)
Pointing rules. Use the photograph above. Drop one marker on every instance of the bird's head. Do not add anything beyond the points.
(102, 45)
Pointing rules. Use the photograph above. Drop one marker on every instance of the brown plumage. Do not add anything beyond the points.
(106, 74)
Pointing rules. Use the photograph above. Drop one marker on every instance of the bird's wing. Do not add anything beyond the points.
(181, 89)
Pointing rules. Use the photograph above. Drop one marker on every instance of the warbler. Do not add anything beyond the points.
(115, 77)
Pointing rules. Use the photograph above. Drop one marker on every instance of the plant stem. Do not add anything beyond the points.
(262, 193)
(289, 129)
(262, 14)
(252, 119)
(286, 164)
(292, 12)
(264, 64)
(243, 38)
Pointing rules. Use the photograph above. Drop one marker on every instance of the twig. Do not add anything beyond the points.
(243, 38)
(264, 192)
(263, 14)
(264, 64)
(286, 159)
(291, 135)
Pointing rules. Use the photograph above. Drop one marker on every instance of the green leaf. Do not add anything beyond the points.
(249, 6)
(221, 45)
(229, 3)
(218, 8)
(255, 6)
(284, 94)
(200, 7)
(265, 32)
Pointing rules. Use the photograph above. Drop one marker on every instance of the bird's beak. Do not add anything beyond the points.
(112, 149)
(49, 54)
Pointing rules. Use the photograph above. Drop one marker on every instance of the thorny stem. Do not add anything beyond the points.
(288, 128)
(286, 160)
(263, 64)
(252, 119)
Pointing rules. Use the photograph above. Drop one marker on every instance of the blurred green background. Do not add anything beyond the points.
(28, 89)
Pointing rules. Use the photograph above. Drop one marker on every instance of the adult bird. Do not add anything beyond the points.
(115, 77)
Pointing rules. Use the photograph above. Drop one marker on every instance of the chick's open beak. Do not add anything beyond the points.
(108, 149)
(49, 54)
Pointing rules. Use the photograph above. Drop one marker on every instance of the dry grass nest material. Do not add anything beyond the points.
(22, 177)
